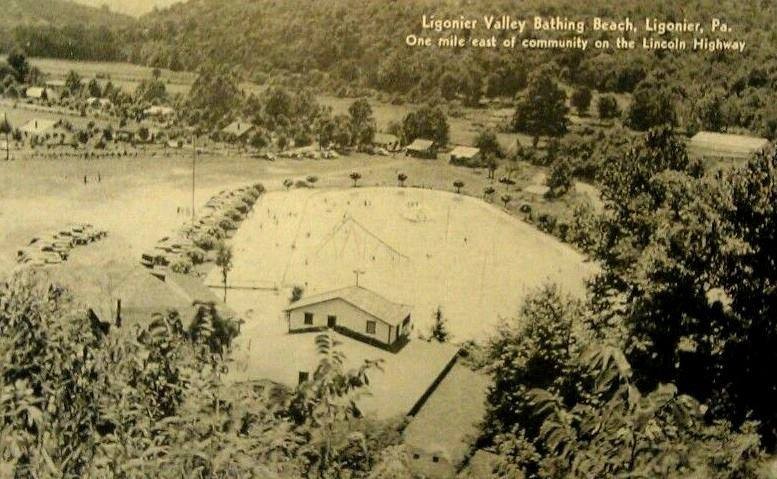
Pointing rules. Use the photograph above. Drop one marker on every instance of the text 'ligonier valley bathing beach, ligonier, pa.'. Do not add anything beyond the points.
(658, 34)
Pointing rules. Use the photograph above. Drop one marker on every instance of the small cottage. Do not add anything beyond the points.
(465, 156)
(356, 312)
(386, 141)
(421, 148)
(237, 131)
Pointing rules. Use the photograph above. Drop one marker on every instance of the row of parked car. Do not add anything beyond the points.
(191, 243)
(53, 247)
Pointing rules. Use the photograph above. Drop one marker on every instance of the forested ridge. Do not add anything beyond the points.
(348, 46)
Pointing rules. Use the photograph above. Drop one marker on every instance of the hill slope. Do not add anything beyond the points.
(56, 13)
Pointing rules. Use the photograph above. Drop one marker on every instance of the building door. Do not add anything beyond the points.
(331, 321)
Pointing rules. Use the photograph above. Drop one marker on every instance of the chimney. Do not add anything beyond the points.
(118, 313)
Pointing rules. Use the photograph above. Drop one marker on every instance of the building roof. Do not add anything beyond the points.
(725, 144)
(159, 111)
(403, 379)
(448, 423)
(385, 138)
(361, 298)
(38, 126)
(420, 144)
(237, 128)
(465, 151)
(37, 92)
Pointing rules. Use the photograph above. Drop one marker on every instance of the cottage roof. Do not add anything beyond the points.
(237, 128)
(420, 144)
(385, 138)
(368, 301)
(725, 144)
(159, 111)
(461, 151)
(38, 126)
(36, 92)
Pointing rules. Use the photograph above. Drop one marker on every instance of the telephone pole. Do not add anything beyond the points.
(194, 166)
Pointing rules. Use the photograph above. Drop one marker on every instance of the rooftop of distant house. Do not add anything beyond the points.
(462, 151)
(38, 126)
(403, 379)
(237, 128)
(448, 423)
(361, 298)
(420, 144)
(707, 143)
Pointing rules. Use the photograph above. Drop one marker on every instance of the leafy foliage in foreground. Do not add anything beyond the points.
(148, 401)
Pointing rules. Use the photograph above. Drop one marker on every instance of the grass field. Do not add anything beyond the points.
(420, 247)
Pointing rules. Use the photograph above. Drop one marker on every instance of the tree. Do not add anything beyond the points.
(362, 122)
(6, 128)
(401, 178)
(213, 96)
(17, 60)
(288, 183)
(488, 144)
(94, 88)
(652, 105)
(458, 184)
(427, 122)
(491, 165)
(581, 99)
(615, 430)
(312, 180)
(542, 109)
(73, 82)
(439, 331)
(224, 262)
(607, 106)
(560, 180)
(326, 400)
(355, 177)
(533, 350)
(488, 192)
(506, 199)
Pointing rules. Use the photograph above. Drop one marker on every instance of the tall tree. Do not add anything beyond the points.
(6, 129)
(542, 109)
(224, 262)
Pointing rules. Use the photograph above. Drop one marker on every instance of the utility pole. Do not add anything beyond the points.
(194, 163)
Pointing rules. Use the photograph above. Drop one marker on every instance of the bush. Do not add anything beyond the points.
(182, 265)
(227, 224)
(196, 256)
(206, 241)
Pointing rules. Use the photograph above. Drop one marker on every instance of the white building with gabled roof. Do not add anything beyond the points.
(355, 312)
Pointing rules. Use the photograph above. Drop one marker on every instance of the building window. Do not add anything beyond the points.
(416, 456)
(435, 459)
(371, 327)
(308, 318)
(303, 376)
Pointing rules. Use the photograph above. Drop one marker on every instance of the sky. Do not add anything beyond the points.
(130, 7)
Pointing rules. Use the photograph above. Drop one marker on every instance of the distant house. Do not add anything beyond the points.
(95, 102)
(160, 113)
(386, 141)
(237, 130)
(121, 295)
(465, 155)
(421, 148)
(40, 93)
(724, 145)
(355, 312)
(38, 127)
